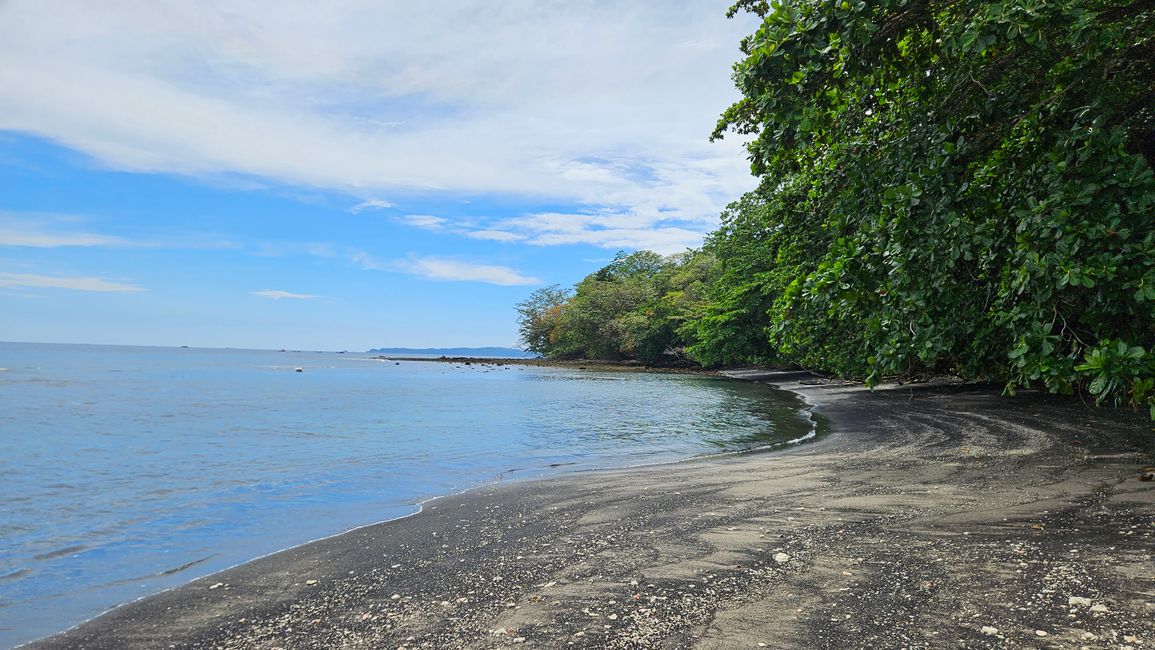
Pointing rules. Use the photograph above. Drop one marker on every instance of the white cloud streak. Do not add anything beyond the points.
(32, 239)
(495, 235)
(370, 204)
(37, 231)
(34, 230)
(601, 104)
(456, 271)
(606, 229)
(425, 221)
(366, 261)
(274, 294)
(75, 283)
(445, 270)
(281, 249)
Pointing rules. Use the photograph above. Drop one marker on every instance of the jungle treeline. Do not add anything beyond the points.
(947, 186)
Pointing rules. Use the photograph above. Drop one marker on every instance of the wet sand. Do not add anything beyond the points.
(931, 517)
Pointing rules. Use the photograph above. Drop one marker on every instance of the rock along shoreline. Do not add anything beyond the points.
(932, 516)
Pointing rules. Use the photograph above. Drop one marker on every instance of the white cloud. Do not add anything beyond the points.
(32, 239)
(495, 235)
(371, 204)
(452, 270)
(426, 221)
(320, 249)
(366, 261)
(598, 103)
(278, 295)
(39, 231)
(660, 240)
(76, 283)
(429, 267)
(35, 230)
(282, 248)
(646, 228)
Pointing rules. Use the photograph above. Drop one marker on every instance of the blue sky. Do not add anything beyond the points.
(348, 174)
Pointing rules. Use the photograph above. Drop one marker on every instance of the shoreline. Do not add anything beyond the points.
(572, 364)
(816, 432)
(407, 508)
(733, 552)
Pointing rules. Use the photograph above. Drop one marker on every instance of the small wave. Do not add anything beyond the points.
(159, 574)
(60, 552)
(169, 572)
(15, 575)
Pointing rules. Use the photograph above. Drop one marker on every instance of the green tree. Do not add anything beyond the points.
(539, 317)
(663, 327)
(598, 319)
(953, 185)
(639, 306)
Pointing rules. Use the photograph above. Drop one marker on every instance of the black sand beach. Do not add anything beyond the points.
(931, 517)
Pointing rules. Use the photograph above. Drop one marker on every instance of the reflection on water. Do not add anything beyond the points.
(129, 470)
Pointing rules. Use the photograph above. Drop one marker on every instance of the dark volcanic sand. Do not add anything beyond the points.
(929, 515)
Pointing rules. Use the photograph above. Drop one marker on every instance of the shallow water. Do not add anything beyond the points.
(127, 470)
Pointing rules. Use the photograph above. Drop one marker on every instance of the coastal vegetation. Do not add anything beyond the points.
(957, 186)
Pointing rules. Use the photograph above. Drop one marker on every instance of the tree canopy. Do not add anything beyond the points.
(636, 307)
(957, 186)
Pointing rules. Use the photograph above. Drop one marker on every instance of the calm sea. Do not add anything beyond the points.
(128, 470)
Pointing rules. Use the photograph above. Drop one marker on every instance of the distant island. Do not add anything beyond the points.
(495, 353)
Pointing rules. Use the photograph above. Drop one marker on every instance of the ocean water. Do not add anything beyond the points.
(128, 470)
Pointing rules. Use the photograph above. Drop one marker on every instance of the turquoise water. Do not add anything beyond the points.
(128, 470)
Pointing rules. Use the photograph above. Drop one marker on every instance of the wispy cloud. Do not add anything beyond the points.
(652, 229)
(435, 268)
(75, 283)
(667, 222)
(666, 241)
(10, 237)
(366, 261)
(425, 221)
(274, 294)
(371, 204)
(36, 230)
(442, 269)
(43, 231)
(282, 248)
(495, 235)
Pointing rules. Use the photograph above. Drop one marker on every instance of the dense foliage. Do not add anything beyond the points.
(957, 186)
(636, 307)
